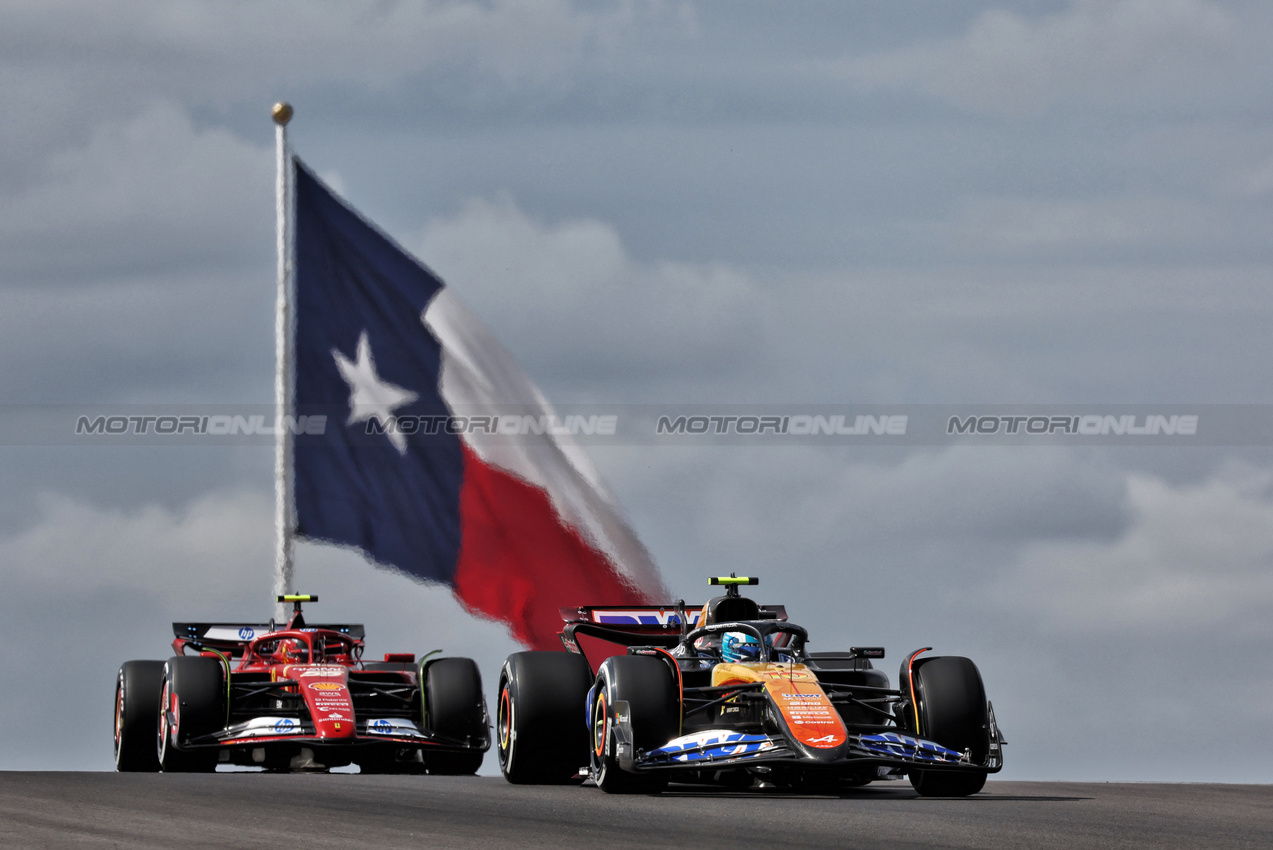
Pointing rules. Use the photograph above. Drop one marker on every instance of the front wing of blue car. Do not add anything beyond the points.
(895, 751)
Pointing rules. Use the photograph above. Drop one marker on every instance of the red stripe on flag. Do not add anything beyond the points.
(519, 563)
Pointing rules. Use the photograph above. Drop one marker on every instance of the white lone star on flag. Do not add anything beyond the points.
(369, 396)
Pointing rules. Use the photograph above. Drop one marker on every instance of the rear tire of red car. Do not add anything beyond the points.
(137, 716)
(540, 724)
(952, 711)
(454, 707)
(646, 684)
(191, 704)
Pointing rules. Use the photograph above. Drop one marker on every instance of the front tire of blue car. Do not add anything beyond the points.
(541, 737)
(646, 685)
(951, 701)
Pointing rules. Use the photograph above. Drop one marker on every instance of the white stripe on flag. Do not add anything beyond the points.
(481, 378)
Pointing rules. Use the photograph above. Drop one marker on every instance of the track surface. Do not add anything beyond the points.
(250, 810)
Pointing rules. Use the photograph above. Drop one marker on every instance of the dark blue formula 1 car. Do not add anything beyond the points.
(729, 695)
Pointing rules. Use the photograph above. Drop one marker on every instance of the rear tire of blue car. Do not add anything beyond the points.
(540, 723)
(653, 699)
(951, 700)
(454, 707)
(191, 704)
(137, 716)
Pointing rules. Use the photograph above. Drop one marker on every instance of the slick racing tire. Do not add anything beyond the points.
(646, 684)
(191, 703)
(137, 716)
(952, 712)
(541, 733)
(454, 707)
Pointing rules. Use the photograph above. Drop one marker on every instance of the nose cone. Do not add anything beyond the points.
(325, 690)
(814, 724)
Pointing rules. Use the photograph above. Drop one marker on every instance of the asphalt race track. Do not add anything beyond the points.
(250, 810)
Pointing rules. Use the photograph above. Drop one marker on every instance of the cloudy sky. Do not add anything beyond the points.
(1030, 203)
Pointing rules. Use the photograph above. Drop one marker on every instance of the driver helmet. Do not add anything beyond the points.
(739, 646)
(291, 649)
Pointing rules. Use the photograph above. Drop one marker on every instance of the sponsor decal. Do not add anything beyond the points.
(713, 744)
(307, 672)
(784, 674)
(247, 633)
(811, 717)
(400, 728)
(643, 617)
(265, 727)
(326, 686)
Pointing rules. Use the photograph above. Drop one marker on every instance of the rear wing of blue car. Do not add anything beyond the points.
(599, 631)
(650, 619)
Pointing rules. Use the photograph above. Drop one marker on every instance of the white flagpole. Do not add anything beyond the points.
(284, 376)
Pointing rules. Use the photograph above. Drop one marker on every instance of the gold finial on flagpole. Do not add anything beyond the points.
(282, 113)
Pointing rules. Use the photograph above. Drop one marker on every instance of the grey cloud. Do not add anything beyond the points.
(1193, 559)
(88, 58)
(185, 337)
(143, 194)
(1094, 52)
(571, 299)
(1108, 226)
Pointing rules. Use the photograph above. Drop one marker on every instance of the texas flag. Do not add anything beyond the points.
(518, 526)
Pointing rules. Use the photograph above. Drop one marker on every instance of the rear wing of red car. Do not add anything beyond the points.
(233, 638)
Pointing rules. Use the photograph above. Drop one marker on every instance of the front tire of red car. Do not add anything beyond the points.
(455, 707)
(137, 716)
(191, 704)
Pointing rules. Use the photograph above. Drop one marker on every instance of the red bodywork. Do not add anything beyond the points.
(314, 663)
(301, 688)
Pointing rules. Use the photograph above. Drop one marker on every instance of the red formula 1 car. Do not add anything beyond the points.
(729, 695)
(298, 697)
